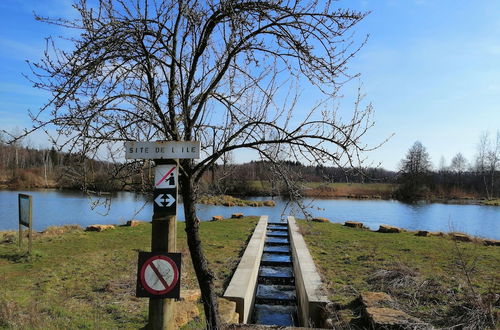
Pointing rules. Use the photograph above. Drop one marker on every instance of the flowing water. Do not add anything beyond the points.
(55, 208)
(276, 295)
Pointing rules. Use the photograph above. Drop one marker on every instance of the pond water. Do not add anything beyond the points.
(55, 208)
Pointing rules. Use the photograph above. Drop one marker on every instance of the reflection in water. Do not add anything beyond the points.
(54, 208)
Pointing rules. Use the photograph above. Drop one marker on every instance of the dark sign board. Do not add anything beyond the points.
(25, 213)
(165, 201)
(159, 275)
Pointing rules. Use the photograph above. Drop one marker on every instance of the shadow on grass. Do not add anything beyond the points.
(21, 257)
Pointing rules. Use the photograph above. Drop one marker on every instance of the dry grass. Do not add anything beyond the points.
(439, 280)
(349, 190)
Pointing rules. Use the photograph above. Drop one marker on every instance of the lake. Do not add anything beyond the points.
(55, 208)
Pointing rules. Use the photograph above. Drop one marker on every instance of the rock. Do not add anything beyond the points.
(425, 233)
(227, 311)
(353, 224)
(236, 215)
(461, 237)
(185, 311)
(7, 238)
(217, 218)
(491, 242)
(99, 227)
(389, 229)
(328, 324)
(190, 295)
(269, 203)
(375, 299)
(132, 223)
(320, 219)
(388, 318)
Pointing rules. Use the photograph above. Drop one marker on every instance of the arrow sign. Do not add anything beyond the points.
(165, 201)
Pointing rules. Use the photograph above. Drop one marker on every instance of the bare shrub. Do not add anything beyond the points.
(393, 280)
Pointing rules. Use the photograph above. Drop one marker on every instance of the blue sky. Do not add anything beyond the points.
(430, 68)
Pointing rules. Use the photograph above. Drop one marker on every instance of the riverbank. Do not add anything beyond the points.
(26, 179)
(441, 281)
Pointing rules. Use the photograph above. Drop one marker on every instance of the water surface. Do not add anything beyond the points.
(55, 208)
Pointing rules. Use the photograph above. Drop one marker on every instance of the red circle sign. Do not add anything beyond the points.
(159, 275)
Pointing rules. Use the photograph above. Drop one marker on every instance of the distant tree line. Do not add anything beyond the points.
(23, 166)
(460, 179)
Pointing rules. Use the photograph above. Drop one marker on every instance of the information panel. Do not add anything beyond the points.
(25, 210)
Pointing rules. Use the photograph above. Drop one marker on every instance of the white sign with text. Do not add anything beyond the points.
(162, 149)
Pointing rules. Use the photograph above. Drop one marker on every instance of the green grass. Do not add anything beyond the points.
(87, 279)
(352, 261)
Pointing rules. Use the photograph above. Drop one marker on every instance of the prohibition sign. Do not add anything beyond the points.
(159, 275)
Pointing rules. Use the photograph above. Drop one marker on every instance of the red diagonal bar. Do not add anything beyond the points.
(165, 176)
(160, 276)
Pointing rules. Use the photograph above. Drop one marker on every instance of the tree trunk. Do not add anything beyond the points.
(203, 273)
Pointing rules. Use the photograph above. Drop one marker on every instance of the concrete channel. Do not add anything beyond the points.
(276, 282)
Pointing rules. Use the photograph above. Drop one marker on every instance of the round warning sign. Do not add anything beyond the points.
(159, 275)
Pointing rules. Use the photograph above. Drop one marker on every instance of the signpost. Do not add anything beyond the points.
(25, 218)
(159, 271)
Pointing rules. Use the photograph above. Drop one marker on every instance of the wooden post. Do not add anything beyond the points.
(20, 235)
(163, 239)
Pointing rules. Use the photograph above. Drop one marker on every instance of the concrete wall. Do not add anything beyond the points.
(242, 287)
(310, 296)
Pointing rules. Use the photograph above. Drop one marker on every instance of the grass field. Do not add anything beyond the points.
(434, 278)
(87, 280)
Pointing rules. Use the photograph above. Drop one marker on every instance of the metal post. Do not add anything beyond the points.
(163, 239)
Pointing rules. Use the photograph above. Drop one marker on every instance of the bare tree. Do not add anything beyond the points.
(458, 163)
(459, 166)
(488, 162)
(226, 73)
(415, 169)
